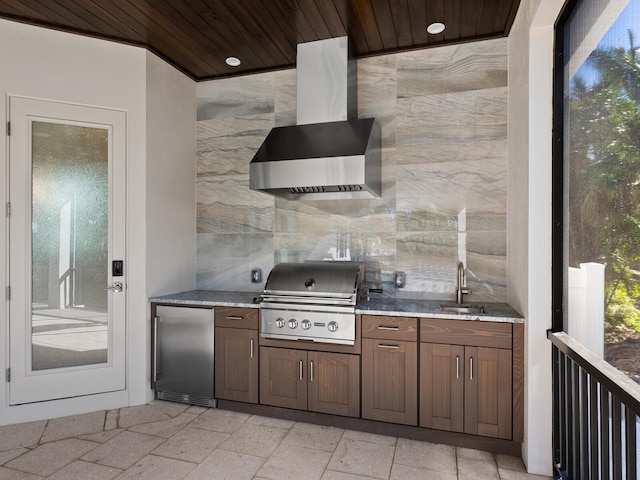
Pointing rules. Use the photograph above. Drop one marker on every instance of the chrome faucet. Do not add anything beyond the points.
(461, 286)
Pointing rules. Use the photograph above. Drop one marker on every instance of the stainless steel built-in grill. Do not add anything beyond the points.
(312, 301)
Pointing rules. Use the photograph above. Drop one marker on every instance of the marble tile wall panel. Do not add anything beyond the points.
(377, 94)
(377, 247)
(429, 260)
(455, 68)
(320, 216)
(451, 187)
(444, 124)
(234, 97)
(224, 262)
(285, 101)
(464, 149)
(227, 205)
(226, 146)
(448, 118)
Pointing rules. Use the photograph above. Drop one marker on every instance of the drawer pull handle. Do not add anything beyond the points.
(384, 345)
(234, 317)
(388, 327)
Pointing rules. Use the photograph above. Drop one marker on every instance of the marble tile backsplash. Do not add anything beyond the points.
(443, 115)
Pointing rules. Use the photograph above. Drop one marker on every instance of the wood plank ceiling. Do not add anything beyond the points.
(196, 36)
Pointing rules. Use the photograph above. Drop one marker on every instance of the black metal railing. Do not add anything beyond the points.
(595, 415)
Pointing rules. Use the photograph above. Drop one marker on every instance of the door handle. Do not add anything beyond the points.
(117, 287)
(156, 321)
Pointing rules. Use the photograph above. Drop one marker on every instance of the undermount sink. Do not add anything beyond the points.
(471, 309)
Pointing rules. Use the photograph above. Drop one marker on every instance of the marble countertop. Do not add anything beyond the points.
(391, 306)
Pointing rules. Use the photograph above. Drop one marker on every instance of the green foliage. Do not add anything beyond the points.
(621, 308)
(604, 177)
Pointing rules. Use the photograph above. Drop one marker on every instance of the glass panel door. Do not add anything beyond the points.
(67, 226)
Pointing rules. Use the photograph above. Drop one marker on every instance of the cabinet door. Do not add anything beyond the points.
(488, 392)
(236, 364)
(390, 381)
(442, 386)
(283, 377)
(334, 383)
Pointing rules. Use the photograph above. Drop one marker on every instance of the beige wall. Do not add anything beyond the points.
(531, 44)
(58, 66)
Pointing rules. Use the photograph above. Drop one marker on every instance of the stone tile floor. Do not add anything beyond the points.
(164, 440)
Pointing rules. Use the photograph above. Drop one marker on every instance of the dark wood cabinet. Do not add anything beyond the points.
(390, 369)
(466, 377)
(316, 381)
(442, 387)
(282, 377)
(236, 354)
(488, 392)
(334, 383)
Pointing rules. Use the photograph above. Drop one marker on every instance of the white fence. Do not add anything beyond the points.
(586, 306)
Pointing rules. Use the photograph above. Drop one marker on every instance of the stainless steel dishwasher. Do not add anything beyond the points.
(183, 356)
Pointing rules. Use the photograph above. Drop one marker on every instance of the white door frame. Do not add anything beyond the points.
(28, 386)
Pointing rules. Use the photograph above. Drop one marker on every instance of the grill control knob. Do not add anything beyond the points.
(306, 324)
(293, 323)
(333, 326)
(280, 322)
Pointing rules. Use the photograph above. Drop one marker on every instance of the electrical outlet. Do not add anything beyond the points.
(256, 275)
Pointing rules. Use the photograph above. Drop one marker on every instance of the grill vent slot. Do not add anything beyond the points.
(325, 189)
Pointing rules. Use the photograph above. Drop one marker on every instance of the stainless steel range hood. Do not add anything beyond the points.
(330, 153)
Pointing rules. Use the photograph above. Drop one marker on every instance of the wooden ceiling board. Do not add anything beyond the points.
(332, 17)
(418, 19)
(386, 27)
(196, 36)
(348, 16)
(469, 17)
(262, 37)
(315, 19)
(366, 18)
(452, 13)
(402, 23)
(488, 16)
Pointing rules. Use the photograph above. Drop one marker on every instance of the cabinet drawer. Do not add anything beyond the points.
(392, 328)
(236, 317)
(466, 332)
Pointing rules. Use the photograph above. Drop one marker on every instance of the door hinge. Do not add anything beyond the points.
(8, 375)
(8, 294)
(8, 129)
(8, 210)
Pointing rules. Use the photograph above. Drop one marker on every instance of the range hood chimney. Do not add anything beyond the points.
(330, 153)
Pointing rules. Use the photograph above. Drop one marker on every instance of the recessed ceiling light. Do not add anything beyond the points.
(233, 61)
(435, 28)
